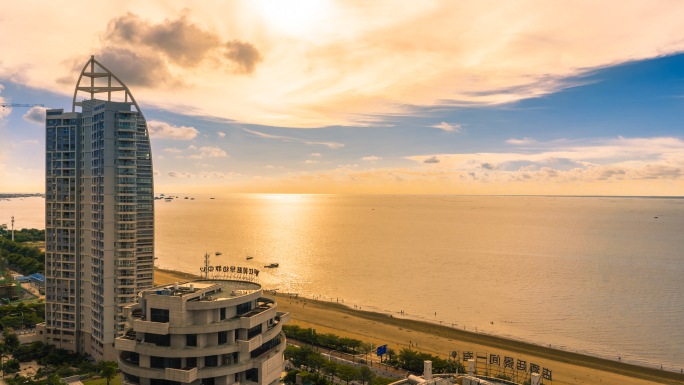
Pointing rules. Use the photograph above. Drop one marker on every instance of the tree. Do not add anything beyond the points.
(11, 366)
(366, 374)
(315, 361)
(107, 369)
(54, 379)
(347, 373)
(365, 349)
(330, 368)
(391, 353)
(9, 337)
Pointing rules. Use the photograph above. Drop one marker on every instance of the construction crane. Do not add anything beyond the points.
(20, 105)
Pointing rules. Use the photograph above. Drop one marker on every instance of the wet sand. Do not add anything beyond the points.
(567, 367)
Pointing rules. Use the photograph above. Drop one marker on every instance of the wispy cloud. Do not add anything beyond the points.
(448, 127)
(173, 149)
(221, 134)
(371, 158)
(209, 152)
(333, 145)
(521, 141)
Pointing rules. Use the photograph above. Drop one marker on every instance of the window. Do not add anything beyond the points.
(244, 308)
(252, 375)
(157, 362)
(165, 362)
(211, 361)
(158, 339)
(223, 338)
(208, 381)
(159, 315)
(191, 340)
(223, 314)
(253, 332)
(265, 347)
(191, 362)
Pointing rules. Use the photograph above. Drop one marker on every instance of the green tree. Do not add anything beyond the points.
(330, 368)
(9, 337)
(366, 374)
(107, 369)
(11, 366)
(291, 377)
(54, 379)
(315, 361)
(347, 373)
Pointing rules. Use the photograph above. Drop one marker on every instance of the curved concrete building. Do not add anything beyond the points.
(99, 214)
(209, 332)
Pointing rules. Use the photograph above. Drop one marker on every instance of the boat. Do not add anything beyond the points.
(192, 199)
(272, 265)
(186, 197)
(250, 257)
(212, 198)
(218, 253)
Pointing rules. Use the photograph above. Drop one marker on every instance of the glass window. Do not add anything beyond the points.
(223, 313)
(223, 338)
(159, 315)
(244, 308)
(191, 340)
(191, 362)
(211, 361)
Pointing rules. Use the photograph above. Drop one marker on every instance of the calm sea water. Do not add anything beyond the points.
(595, 275)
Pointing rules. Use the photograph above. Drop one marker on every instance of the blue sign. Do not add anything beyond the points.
(382, 350)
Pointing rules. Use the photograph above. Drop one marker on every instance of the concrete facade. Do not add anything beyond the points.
(99, 215)
(210, 332)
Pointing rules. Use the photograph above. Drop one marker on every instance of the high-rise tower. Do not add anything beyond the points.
(99, 214)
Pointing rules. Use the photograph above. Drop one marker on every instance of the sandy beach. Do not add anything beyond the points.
(567, 367)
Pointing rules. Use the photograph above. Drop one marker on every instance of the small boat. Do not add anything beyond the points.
(186, 197)
(218, 253)
(272, 265)
(212, 198)
(192, 199)
(250, 257)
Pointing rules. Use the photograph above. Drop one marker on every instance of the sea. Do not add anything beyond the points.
(597, 275)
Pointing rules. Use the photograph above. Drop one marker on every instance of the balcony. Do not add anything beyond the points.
(184, 375)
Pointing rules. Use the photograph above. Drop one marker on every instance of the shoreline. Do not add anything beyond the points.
(332, 317)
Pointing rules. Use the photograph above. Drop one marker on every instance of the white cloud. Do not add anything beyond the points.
(160, 156)
(209, 152)
(448, 127)
(159, 129)
(333, 145)
(36, 115)
(173, 149)
(268, 166)
(192, 147)
(309, 161)
(30, 141)
(315, 154)
(222, 134)
(371, 158)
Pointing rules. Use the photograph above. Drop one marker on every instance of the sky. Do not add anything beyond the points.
(386, 97)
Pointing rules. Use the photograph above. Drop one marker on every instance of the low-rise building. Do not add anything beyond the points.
(209, 332)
